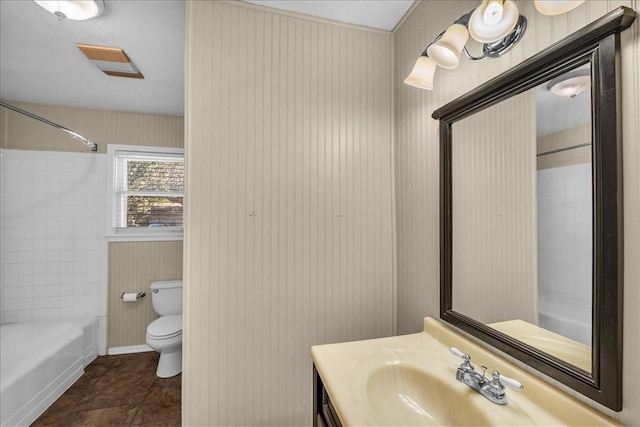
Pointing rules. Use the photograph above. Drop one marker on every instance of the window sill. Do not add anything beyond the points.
(131, 237)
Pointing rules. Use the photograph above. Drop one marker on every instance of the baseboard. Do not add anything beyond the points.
(129, 349)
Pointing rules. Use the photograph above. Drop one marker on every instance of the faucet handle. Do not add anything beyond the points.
(460, 354)
(506, 381)
(466, 365)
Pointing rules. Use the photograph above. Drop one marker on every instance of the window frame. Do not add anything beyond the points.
(135, 234)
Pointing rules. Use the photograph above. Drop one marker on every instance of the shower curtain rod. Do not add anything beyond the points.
(92, 145)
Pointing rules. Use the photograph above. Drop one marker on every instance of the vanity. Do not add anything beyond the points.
(519, 272)
(411, 380)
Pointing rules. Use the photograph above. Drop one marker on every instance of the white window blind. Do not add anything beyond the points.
(148, 191)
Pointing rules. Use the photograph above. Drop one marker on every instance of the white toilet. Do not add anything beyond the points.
(164, 334)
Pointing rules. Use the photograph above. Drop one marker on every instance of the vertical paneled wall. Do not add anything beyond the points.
(416, 155)
(494, 236)
(289, 216)
(100, 126)
(132, 268)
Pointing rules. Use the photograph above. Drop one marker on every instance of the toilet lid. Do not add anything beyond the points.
(165, 327)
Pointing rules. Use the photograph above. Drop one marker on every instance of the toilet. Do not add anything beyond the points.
(164, 334)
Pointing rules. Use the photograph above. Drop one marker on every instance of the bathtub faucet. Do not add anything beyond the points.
(493, 389)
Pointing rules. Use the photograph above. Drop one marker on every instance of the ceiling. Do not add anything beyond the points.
(39, 60)
(380, 14)
(556, 113)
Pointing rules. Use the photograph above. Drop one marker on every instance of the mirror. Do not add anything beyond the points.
(531, 220)
(525, 192)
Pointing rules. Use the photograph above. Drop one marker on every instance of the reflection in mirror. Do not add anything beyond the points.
(564, 204)
(522, 217)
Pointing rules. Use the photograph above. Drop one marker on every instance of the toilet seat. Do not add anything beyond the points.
(165, 327)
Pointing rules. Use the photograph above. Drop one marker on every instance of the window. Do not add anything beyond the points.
(147, 192)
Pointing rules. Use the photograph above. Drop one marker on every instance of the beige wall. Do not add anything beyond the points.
(100, 126)
(494, 234)
(564, 139)
(416, 154)
(289, 206)
(132, 268)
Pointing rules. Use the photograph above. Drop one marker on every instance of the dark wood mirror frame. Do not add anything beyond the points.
(599, 44)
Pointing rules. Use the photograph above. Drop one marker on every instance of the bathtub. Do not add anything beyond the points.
(38, 362)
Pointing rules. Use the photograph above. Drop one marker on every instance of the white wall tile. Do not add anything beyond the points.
(564, 250)
(53, 250)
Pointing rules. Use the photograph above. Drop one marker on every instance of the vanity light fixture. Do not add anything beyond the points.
(571, 84)
(556, 7)
(76, 10)
(495, 23)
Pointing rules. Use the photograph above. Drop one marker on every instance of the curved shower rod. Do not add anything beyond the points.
(86, 141)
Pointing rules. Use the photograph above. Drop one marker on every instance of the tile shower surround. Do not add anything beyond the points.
(564, 250)
(53, 250)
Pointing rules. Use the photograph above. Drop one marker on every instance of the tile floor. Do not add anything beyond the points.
(118, 391)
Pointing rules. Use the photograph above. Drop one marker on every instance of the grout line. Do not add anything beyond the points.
(140, 405)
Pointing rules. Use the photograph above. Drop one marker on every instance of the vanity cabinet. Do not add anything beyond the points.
(324, 414)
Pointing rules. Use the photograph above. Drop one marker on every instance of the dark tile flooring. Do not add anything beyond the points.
(118, 391)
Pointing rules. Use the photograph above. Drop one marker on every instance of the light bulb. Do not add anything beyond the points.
(492, 13)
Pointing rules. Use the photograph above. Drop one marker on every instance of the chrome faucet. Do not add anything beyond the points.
(493, 389)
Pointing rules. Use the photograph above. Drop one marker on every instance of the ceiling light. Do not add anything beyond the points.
(556, 7)
(422, 74)
(73, 9)
(571, 84)
(113, 61)
(492, 29)
(446, 51)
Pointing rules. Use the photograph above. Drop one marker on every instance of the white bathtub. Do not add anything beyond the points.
(39, 361)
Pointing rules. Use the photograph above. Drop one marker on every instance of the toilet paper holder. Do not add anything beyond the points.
(138, 295)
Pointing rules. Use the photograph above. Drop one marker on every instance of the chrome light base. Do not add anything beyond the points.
(502, 46)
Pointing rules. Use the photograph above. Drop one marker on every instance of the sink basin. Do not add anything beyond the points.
(413, 388)
(411, 380)
(402, 394)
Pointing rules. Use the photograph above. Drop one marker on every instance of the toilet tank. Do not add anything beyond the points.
(166, 296)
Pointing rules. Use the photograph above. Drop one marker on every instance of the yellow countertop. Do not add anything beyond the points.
(410, 380)
(574, 352)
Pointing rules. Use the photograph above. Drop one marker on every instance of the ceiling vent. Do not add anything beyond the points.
(113, 61)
